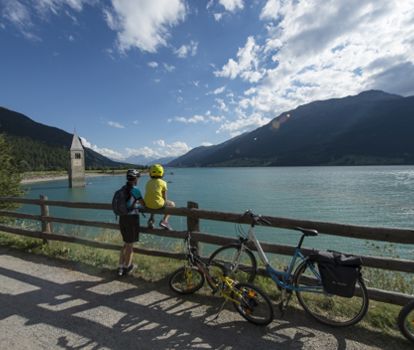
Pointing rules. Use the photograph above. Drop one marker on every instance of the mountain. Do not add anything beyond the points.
(195, 157)
(149, 160)
(372, 127)
(37, 146)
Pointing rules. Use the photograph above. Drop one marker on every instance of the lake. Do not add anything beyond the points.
(380, 196)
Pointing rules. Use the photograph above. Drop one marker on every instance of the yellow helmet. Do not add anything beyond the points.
(156, 170)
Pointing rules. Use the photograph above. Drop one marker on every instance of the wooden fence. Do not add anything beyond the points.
(194, 215)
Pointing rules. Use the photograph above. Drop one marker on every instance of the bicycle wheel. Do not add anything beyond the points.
(253, 304)
(241, 265)
(215, 273)
(406, 321)
(329, 309)
(186, 280)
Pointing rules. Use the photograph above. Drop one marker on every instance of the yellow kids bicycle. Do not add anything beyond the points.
(248, 300)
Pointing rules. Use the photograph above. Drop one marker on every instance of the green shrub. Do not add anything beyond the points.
(9, 175)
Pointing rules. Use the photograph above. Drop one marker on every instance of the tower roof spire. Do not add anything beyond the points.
(76, 143)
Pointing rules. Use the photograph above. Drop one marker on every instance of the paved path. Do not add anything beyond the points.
(49, 304)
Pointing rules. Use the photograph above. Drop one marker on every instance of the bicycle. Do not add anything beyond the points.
(249, 301)
(305, 281)
(406, 321)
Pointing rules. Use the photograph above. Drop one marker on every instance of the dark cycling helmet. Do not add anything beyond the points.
(132, 174)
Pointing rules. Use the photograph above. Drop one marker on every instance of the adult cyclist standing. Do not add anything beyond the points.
(129, 224)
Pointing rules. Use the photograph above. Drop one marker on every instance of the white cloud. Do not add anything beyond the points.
(153, 64)
(161, 149)
(206, 144)
(107, 152)
(196, 119)
(215, 118)
(23, 14)
(187, 50)
(55, 6)
(217, 91)
(115, 125)
(144, 24)
(218, 16)
(246, 66)
(175, 149)
(160, 143)
(316, 50)
(271, 9)
(250, 91)
(16, 12)
(146, 151)
(169, 67)
(19, 16)
(221, 105)
(243, 123)
(232, 5)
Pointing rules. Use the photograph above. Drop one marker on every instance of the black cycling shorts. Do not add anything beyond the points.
(129, 226)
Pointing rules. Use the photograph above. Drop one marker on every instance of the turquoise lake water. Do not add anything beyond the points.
(372, 195)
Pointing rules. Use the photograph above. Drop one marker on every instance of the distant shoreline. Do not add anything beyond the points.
(45, 178)
(55, 177)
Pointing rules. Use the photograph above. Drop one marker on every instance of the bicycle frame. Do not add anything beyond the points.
(283, 278)
(225, 287)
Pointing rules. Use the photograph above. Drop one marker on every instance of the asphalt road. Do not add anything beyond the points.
(50, 304)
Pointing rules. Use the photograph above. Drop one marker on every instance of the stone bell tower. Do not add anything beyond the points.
(77, 163)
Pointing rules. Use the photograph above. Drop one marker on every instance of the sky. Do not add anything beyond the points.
(156, 78)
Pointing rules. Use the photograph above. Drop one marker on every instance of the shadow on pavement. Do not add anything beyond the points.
(92, 310)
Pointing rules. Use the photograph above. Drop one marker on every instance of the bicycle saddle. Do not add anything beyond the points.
(307, 231)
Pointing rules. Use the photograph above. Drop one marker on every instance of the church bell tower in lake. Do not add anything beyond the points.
(77, 163)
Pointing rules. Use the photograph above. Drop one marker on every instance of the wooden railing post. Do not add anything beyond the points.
(193, 224)
(44, 212)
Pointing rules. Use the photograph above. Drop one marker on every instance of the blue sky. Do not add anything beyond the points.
(158, 77)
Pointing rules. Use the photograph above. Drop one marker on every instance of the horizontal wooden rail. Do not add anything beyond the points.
(16, 215)
(193, 214)
(375, 294)
(394, 235)
(86, 242)
(402, 265)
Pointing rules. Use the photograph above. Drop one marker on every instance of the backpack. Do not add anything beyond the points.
(119, 201)
(339, 272)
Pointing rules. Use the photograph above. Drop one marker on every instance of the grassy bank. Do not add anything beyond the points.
(380, 316)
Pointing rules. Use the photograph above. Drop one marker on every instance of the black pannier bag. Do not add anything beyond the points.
(339, 272)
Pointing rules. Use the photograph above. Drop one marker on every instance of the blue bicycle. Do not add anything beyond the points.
(326, 299)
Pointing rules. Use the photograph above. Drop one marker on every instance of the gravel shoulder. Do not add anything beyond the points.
(48, 303)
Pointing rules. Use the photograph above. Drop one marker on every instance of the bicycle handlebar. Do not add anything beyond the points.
(256, 219)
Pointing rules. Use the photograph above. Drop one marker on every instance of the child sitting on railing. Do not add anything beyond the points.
(156, 195)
